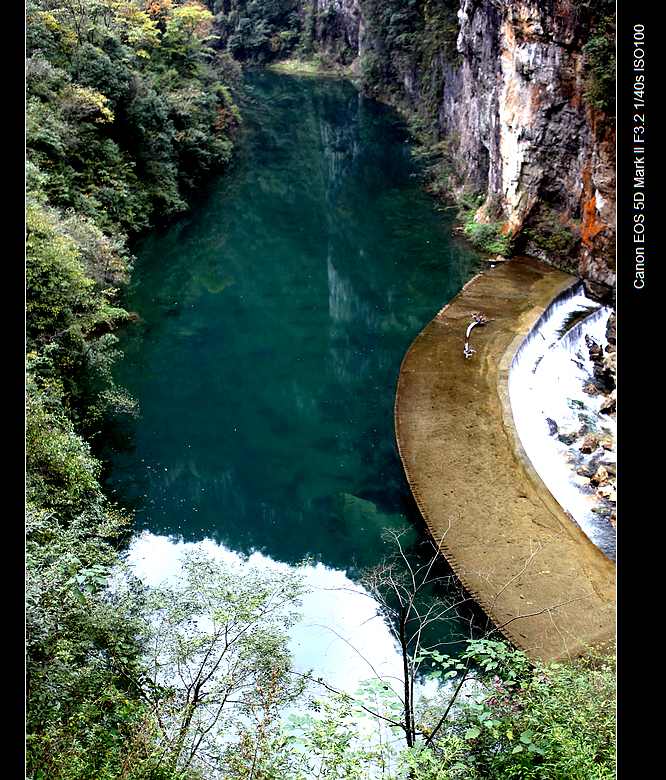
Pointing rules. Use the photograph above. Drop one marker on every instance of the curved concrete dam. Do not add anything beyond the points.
(522, 558)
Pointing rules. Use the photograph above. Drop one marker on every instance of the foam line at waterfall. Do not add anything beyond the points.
(546, 380)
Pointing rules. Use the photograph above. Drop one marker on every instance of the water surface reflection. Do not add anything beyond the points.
(274, 318)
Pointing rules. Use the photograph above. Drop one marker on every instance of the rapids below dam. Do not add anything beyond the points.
(546, 383)
(273, 320)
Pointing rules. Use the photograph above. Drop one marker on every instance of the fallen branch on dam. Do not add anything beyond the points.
(477, 319)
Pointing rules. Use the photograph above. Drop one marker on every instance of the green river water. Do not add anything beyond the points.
(274, 317)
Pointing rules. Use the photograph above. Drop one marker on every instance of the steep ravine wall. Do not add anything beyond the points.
(508, 97)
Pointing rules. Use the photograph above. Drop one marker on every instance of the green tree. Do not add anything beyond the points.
(259, 30)
(217, 657)
(120, 128)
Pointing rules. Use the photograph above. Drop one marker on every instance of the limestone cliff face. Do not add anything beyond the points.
(511, 103)
(336, 27)
(519, 102)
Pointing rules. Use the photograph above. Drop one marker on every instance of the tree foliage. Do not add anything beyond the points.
(128, 106)
(258, 30)
(217, 658)
(515, 720)
(106, 125)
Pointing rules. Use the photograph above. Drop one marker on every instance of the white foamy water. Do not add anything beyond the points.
(341, 636)
(546, 381)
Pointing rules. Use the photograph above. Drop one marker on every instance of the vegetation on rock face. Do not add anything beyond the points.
(599, 54)
(547, 231)
(486, 236)
(417, 37)
(598, 16)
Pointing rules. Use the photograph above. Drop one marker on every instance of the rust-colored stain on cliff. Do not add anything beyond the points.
(591, 224)
(516, 551)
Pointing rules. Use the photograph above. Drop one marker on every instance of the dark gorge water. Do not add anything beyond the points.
(274, 318)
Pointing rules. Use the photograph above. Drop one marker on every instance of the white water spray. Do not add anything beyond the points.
(546, 380)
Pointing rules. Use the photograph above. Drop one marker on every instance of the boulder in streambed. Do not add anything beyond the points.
(595, 351)
(609, 405)
(608, 492)
(611, 468)
(611, 334)
(600, 476)
(589, 443)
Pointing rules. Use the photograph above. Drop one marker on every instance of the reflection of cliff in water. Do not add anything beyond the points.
(274, 319)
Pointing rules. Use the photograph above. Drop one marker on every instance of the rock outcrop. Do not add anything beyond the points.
(335, 28)
(509, 98)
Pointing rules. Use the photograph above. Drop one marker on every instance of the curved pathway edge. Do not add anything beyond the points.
(518, 554)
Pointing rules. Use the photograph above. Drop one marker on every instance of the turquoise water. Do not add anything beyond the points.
(274, 318)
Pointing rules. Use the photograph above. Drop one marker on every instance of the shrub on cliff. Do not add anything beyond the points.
(599, 54)
(550, 233)
(486, 236)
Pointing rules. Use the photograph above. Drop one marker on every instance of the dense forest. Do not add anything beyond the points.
(130, 105)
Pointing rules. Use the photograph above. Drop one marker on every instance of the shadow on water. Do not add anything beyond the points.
(274, 318)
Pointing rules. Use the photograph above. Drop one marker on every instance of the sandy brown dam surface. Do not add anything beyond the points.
(517, 552)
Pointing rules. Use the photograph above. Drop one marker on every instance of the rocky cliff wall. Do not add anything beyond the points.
(335, 28)
(505, 84)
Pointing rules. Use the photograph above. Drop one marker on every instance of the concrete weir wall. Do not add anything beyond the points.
(542, 582)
